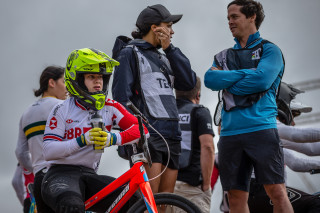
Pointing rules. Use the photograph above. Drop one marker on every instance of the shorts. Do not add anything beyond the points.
(159, 151)
(194, 194)
(240, 154)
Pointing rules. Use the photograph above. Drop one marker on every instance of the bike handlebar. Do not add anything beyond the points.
(143, 143)
(136, 111)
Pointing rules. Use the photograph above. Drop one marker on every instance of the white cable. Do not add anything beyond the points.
(168, 153)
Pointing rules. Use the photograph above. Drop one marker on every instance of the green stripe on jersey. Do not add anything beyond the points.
(35, 128)
(41, 132)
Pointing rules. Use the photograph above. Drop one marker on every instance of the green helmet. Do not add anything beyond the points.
(84, 61)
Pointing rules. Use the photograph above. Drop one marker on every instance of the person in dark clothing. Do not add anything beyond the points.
(197, 148)
(147, 78)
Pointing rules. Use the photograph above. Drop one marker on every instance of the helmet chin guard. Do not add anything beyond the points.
(85, 61)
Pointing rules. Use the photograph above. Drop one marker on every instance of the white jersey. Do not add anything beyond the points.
(18, 184)
(70, 119)
(20, 181)
(31, 129)
(298, 134)
(303, 140)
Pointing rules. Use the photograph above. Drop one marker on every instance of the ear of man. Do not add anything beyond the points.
(253, 18)
(197, 97)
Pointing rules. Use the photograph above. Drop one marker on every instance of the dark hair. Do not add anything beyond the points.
(150, 15)
(51, 72)
(249, 8)
(140, 32)
(191, 94)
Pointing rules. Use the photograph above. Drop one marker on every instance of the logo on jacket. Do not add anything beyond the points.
(69, 121)
(53, 123)
(163, 83)
(256, 54)
(184, 118)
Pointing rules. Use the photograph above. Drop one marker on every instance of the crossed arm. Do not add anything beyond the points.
(247, 81)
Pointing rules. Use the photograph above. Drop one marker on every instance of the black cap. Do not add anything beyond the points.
(155, 14)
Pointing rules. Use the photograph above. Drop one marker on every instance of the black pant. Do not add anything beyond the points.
(26, 205)
(42, 207)
(68, 181)
(301, 202)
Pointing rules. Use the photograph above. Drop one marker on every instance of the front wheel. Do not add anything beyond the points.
(171, 203)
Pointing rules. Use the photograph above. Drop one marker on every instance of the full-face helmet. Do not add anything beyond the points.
(84, 61)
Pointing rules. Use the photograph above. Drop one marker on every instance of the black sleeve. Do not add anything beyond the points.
(185, 77)
(203, 121)
(124, 77)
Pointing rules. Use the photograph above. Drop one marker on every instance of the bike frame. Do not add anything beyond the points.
(134, 179)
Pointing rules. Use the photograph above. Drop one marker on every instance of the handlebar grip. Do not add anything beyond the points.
(133, 108)
(136, 111)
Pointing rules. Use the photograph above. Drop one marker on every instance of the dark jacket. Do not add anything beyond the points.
(195, 120)
(126, 85)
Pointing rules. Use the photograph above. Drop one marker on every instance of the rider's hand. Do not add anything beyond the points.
(96, 136)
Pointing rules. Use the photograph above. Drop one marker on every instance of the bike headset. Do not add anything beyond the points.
(287, 93)
(84, 61)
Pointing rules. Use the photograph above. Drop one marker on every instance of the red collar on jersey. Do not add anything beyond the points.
(78, 104)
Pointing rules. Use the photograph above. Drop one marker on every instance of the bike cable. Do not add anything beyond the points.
(168, 152)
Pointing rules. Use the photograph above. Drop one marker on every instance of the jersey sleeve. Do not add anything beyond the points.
(299, 164)
(22, 150)
(310, 149)
(297, 134)
(17, 183)
(127, 122)
(54, 147)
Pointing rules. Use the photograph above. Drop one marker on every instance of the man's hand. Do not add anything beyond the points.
(216, 68)
(96, 136)
(205, 187)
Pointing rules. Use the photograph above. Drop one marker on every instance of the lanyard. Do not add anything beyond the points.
(248, 45)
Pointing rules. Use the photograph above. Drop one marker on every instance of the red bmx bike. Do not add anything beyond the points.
(136, 178)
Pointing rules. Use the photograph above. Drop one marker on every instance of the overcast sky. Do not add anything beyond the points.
(38, 33)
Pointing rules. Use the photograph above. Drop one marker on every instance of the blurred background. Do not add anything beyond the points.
(38, 33)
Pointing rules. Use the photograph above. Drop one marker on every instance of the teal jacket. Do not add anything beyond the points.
(262, 114)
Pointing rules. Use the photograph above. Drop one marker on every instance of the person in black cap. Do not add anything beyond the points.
(147, 78)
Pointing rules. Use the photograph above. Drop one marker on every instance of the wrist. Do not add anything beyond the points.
(205, 187)
(168, 49)
(113, 139)
(81, 140)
